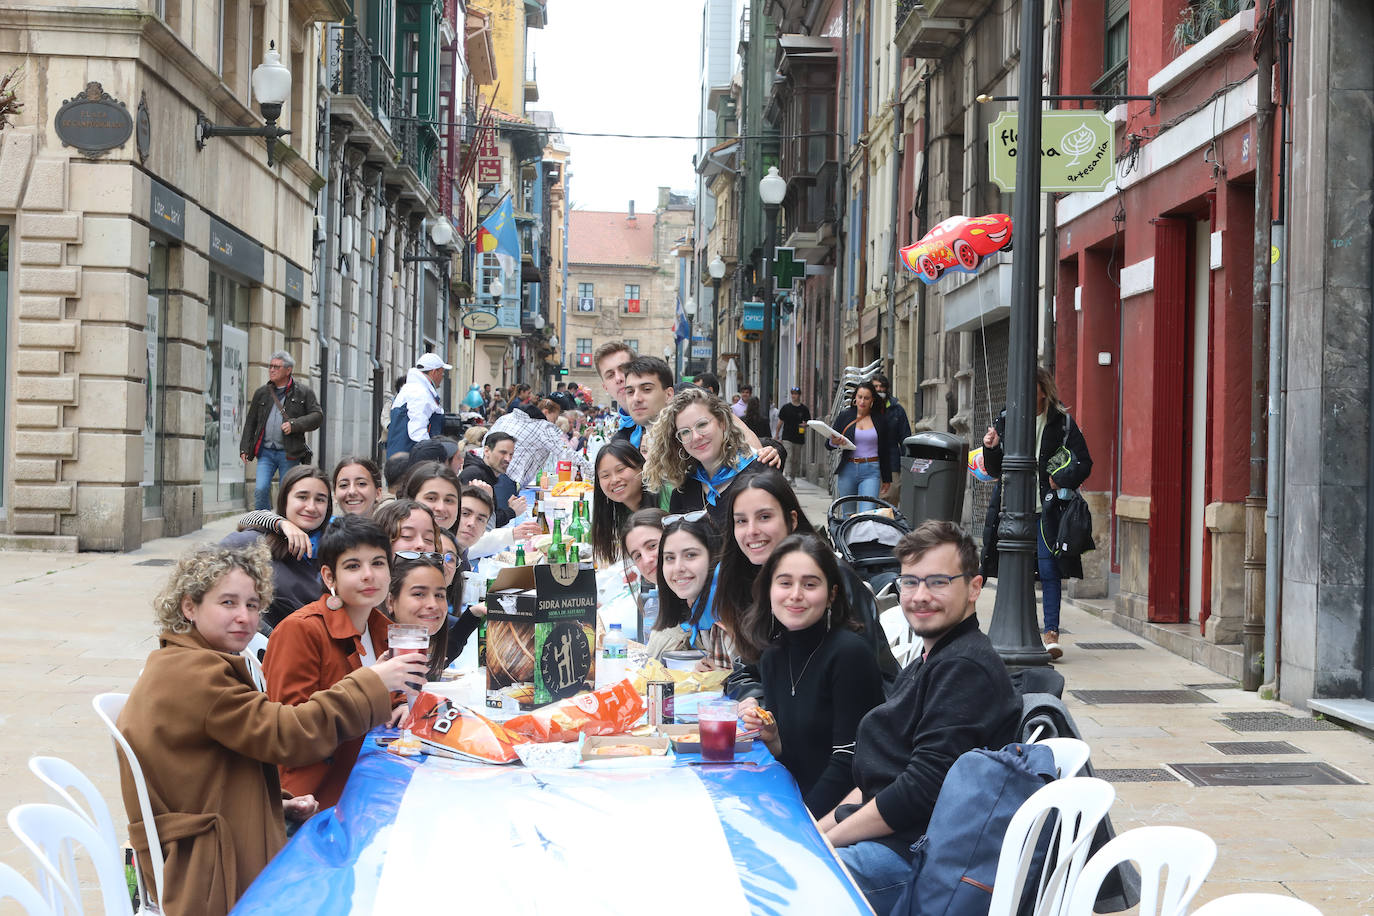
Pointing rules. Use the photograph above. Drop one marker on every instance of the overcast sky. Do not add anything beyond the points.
(622, 66)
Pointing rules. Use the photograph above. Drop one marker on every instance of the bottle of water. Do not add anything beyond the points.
(610, 666)
(650, 611)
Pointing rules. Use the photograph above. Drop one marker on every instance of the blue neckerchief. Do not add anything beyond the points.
(637, 436)
(626, 421)
(702, 617)
(720, 479)
(315, 540)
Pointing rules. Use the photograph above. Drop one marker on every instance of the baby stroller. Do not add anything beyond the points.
(865, 540)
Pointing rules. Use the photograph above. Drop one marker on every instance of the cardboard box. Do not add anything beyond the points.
(540, 633)
(658, 747)
(674, 733)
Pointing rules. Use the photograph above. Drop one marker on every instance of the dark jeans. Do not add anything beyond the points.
(271, 461)
(1051, 590)
(878, 871)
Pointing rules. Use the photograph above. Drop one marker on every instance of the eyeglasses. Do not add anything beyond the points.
(936, 582)
(684, 517)
(276, 365)
(423, 555)
(701, 427)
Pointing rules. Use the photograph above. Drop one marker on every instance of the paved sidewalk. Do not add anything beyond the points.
(79, 625)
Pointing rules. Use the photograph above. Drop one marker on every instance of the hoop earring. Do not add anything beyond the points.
(333, 602)
(683, 453)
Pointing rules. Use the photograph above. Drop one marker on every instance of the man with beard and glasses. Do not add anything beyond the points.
(956, 697)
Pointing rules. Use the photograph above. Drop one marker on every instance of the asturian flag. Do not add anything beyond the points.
(497, 236)
(682, 329)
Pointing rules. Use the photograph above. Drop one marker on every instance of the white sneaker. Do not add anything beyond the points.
(1051, 640)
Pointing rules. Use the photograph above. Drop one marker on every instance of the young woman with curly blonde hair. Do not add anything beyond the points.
(697, 450)
(203, 731)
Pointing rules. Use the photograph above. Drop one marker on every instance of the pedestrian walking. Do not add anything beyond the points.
(865, 470)
(1062, 463)
(279, 416)
(417, 414)
(895, 418)
(792, 416)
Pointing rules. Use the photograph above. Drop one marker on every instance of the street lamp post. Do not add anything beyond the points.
(717, 271)
(441, 235)
(772, 189)
(271, 84)
(1013, 631)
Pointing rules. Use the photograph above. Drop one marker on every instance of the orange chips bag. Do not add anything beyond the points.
(609, 711)
(456, 731)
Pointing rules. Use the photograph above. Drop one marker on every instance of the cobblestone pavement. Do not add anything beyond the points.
(80, 624)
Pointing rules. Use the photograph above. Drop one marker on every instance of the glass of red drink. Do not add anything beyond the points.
(408, 639)
(716, 721)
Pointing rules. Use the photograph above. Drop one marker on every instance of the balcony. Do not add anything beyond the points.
(365, 93)
(810, 213)
(922, 34)
(310, 11)
(635, 308)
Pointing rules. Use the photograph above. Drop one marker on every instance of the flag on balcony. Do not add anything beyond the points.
(681, 328)
(497, 236)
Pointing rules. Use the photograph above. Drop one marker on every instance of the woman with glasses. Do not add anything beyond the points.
(819, 676)
(325, 640)
(698, 451)
(303, 504)
(687, 593)
(865, 470)
(618, 492)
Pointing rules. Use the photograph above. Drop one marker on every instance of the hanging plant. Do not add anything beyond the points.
(10, 106)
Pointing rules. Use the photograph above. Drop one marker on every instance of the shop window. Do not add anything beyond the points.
(226, 389)
(584, 352)
(155, 338)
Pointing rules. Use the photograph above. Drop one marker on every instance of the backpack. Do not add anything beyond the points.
(1069, 529)
(954, 864)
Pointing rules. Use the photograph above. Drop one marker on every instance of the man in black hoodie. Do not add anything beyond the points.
(488, 468)
(956, 697)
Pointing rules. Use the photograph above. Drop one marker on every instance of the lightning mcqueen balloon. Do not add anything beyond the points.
(958, 243)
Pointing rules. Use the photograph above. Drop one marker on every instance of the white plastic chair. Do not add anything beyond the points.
(1182, 856)
(1070, 754)
(905, 645)
(66, 782)
(49, 831)
(107, 707)
(1077, 804)
(254, 651)
(1256, 905)
(14, 887)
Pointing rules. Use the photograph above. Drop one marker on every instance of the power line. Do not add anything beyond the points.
(535, 128)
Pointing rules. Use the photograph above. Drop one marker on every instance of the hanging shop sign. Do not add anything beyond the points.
(93, 122)
(488, 159)
(236, 251)
(295, 283)
(1077, 151)
(478, 320)
(166, 210)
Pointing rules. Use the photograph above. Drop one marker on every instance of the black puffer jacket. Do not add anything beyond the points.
(1060, 432)
(475, 468)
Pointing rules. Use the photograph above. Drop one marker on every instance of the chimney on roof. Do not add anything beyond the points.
(632, 210)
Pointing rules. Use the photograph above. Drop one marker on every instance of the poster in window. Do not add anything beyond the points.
(233, 399)
(151, 396)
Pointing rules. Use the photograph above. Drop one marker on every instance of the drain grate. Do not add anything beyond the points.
(155, 562)
(1108, 697)
(1244, 748)
(1135, 774)
(1108, 646)
(1264, 774)
(1273, 722)
(1218, 685)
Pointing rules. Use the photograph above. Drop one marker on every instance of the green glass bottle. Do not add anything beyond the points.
(520, 555)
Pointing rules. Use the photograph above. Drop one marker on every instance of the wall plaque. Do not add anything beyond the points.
(93, 122)
(295, 283)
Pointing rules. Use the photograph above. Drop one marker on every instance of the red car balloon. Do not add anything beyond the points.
(958, 243)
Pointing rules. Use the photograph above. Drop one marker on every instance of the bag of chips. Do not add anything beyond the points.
(448, 730)
(612, 710)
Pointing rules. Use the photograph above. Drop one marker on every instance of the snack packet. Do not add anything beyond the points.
(450, 730)
(608, 711)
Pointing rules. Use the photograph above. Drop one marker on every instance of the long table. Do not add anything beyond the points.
(432, 836)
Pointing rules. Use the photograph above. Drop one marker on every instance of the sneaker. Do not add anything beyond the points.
(1051, 640)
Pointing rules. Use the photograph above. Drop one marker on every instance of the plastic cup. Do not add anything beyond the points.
(404, 638)
(717, 723)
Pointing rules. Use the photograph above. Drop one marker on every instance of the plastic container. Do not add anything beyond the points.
(611, 663)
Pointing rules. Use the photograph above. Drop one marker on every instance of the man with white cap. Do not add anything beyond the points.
(416, 414)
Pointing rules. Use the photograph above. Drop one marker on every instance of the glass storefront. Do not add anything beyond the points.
(226, 389)
(155, 330)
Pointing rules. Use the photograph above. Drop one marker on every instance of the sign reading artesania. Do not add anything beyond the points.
(1077, 151)
(93, 122)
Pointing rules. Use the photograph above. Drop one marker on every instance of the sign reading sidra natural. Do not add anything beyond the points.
(1077, 151)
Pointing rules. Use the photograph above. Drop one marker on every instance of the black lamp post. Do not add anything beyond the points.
(772, 189)
(717, 271)
(1014, 632)
(271, 84)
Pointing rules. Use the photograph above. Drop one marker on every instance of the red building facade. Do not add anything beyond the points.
(1153, 309)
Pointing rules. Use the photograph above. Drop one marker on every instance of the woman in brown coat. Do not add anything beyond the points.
(209, 742)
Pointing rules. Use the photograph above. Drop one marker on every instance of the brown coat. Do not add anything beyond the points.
(313, 649)
(209, 743)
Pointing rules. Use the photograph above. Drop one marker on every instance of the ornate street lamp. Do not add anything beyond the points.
(271, 83)
(772, 189)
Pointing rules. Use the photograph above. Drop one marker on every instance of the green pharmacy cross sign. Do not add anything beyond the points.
(1077, 151)
(787, 269)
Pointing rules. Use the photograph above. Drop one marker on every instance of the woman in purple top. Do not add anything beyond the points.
(863, 471)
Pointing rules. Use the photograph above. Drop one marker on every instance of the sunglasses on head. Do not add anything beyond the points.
(423, 555)
(684, 517)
